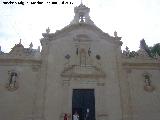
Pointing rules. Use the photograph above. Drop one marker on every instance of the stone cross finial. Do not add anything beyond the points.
(20, 41)
(127, 49)
(115, 34)
(48, 30)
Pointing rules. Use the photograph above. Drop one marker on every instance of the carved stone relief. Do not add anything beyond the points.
(83, 67)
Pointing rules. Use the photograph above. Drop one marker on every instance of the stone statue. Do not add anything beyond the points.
(147, 80)
(31, 46)
(12, 80)
(89, 51)
(77, 51)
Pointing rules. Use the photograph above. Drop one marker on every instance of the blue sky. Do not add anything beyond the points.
(132, 19)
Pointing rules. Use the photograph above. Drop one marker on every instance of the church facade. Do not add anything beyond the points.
(81, 70)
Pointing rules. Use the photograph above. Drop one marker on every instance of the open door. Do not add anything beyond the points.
(83, 102)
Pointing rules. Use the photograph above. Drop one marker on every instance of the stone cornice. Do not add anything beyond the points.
(15, 60)
(140, 60)
(141, 63)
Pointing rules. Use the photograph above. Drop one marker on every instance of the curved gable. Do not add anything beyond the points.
(85, 28)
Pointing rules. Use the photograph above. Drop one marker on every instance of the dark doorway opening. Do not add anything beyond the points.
(83, 102)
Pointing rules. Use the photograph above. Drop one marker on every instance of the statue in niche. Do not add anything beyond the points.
(77, 51)
(147, 80)
(148, 87)
(82, 57)
(12, 83)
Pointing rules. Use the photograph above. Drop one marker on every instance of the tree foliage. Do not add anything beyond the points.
(155, 50)
(144, 46)
(151, 51)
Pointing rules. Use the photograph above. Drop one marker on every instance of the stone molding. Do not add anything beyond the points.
(19, 60)
(141, 65)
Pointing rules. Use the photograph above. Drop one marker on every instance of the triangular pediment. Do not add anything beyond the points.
(78, 71)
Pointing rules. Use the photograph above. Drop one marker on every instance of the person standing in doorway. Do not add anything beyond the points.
(75, 116)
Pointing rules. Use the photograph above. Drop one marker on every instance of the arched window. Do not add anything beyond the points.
(81, 18)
